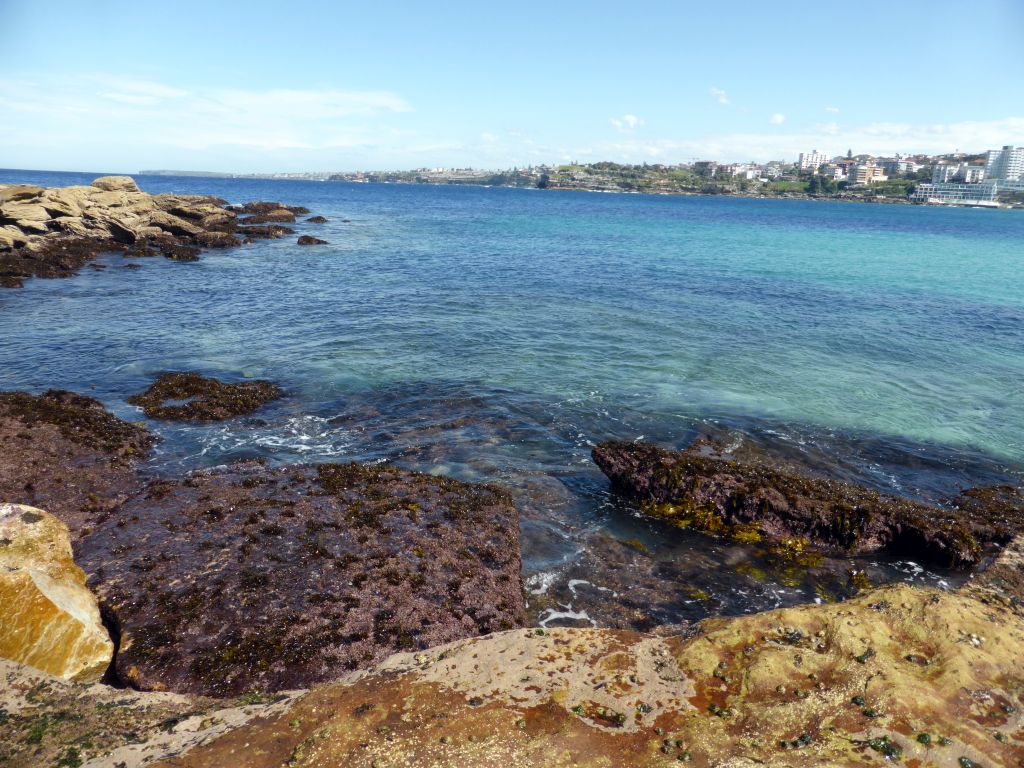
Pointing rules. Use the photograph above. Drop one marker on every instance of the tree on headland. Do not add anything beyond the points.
(849, 154)
(544, 181)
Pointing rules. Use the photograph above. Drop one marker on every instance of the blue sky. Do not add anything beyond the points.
(272, 86)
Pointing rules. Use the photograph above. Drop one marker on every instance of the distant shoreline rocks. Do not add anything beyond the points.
(54, 232)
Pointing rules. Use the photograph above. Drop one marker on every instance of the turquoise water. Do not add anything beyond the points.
(495, 334)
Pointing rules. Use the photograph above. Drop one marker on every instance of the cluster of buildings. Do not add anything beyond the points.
(975, 184)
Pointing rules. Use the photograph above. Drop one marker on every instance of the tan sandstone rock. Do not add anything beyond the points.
(51, 621)
(116, 184)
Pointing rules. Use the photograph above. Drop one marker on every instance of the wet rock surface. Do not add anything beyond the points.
(310, 240)
(64, 453)
(246, 578)
(755, 502)
(189, 396)
(54, 232)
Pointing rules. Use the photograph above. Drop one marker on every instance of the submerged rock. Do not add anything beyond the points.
(247, 578)
(65, 453)
(310, 240)
(50, 620)
(901, 673)
(317, 220)
(205, 399)
(755, 502)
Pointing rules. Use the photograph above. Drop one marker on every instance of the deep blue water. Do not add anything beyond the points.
(496, 334)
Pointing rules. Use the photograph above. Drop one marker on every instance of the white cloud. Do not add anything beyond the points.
(626, 122)
(833, 110)
(719, 95)
(114, 111)
(874, 138)
(488, 138)
(777, 119)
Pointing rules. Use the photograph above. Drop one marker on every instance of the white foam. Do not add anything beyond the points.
(551, 614)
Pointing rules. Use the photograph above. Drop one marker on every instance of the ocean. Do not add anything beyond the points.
(497, 334)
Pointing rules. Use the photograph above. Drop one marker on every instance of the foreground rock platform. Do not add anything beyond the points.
(53, 232)
(755, 502)
(900, 675)
(50, 620)
(248, 578)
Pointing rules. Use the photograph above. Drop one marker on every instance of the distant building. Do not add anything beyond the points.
(950, 172)
(866, 173)
(1006, 163)
(943, 174)
(984, 194)
(973, 174)
(809, 161)
(836, 171)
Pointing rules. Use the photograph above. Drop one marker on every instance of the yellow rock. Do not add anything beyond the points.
(48, 619)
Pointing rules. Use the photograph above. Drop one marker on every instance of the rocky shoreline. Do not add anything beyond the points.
(294, 587)
(54, 232)
(372, 616)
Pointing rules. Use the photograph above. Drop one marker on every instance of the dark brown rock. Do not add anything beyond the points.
(317, 220)
(206, 399)
(755, 501)
(309, 240)
(261, 207)
(246, 578)
(64, 453)
(268, 232)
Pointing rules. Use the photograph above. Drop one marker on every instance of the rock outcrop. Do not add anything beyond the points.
(194, 397)
(50, 620)
(65, 453)
(310, 240)
(248, 578)
(54, 232)
(755, 502)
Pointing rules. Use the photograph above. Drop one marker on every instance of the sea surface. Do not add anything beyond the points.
(498, 334)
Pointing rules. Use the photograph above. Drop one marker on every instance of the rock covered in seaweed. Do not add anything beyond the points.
(755, 501)
(65, 453)
(194, 397)
(50, 620)
(247, 578)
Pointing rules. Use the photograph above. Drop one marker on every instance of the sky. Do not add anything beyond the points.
(256, 87)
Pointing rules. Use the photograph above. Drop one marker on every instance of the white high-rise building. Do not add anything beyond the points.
(1006, 164)
(809, 161)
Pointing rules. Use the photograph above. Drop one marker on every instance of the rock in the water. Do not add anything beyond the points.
(64, 453)
(309, 240)
(51, 621)
(54, 232)
(205, 399)
(246, 578)
(754, 501)
(317, 220)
